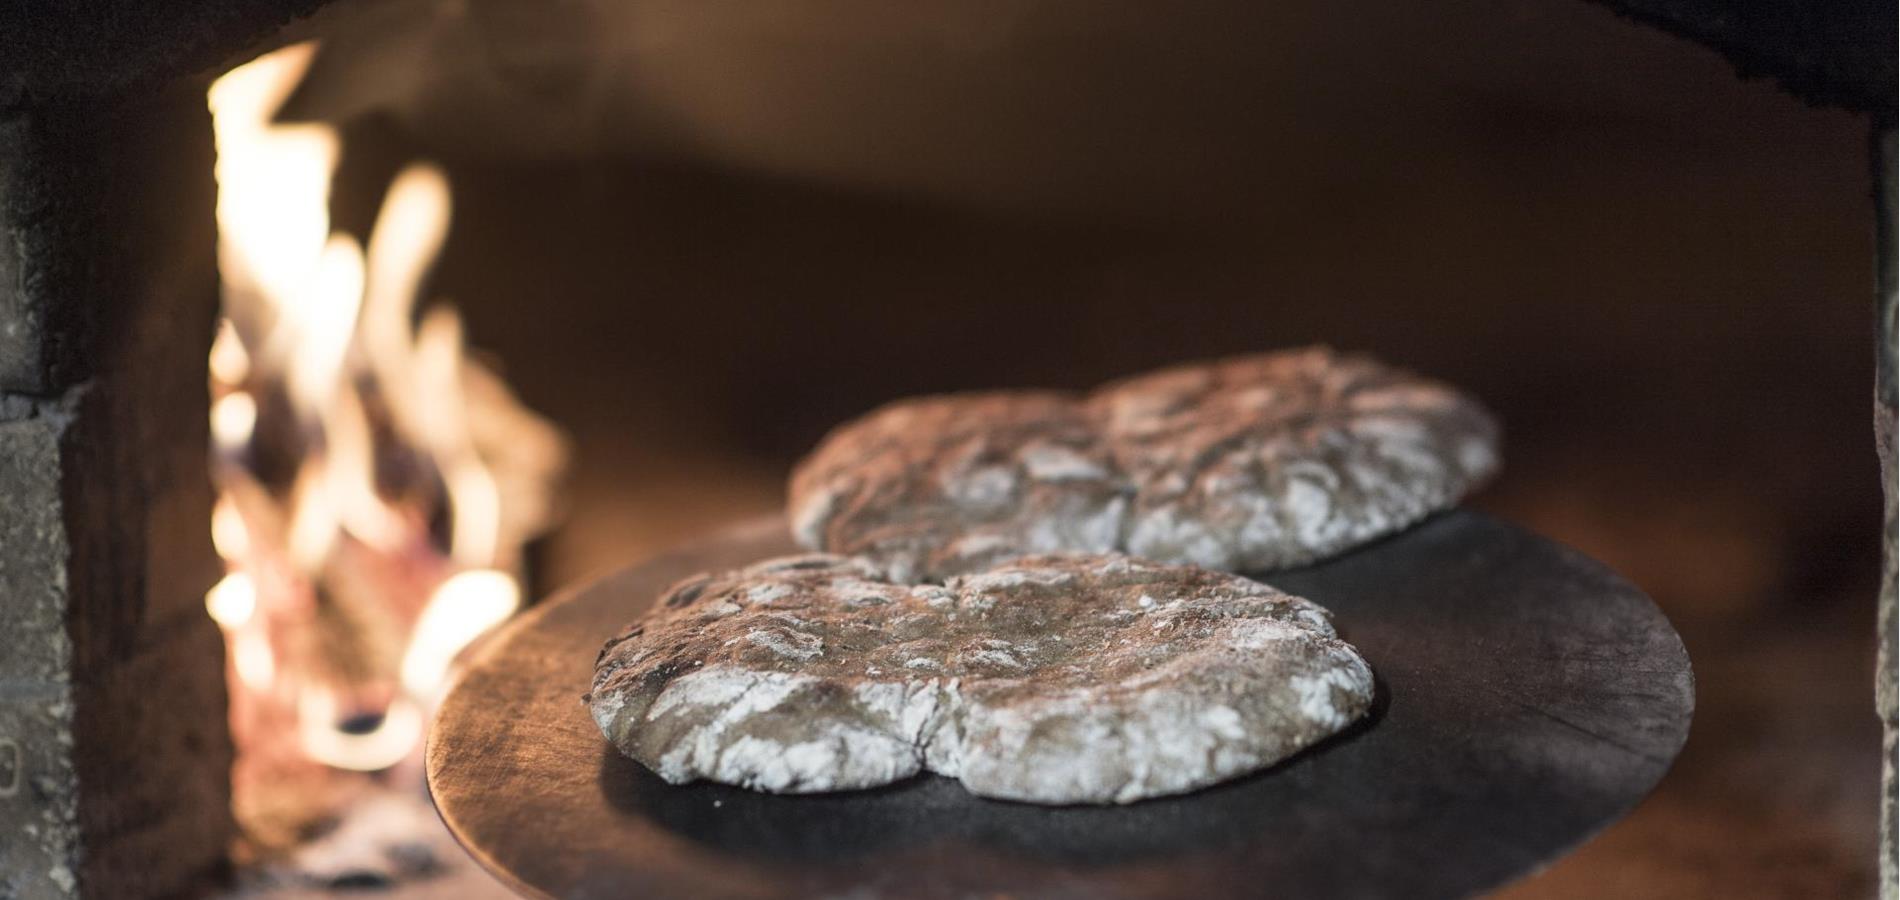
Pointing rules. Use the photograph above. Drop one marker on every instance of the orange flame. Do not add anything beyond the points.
(319, 359)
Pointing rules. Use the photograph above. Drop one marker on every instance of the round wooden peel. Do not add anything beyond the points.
(1527, 698)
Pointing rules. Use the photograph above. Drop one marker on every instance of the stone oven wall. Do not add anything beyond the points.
(114, 752)
(114, 755)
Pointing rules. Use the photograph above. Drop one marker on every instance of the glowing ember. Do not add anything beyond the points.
(376, 485)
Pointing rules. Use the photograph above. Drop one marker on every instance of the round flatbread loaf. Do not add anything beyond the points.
(1278, 460)
(938, 485)
(1247, 464)
(1052, 679)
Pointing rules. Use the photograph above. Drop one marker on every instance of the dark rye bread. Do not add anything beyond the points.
(1247, 464)
(940, 485)
(1062, 679)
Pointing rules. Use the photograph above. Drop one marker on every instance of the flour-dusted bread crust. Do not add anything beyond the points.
(1247, 464)
(947, 484)
(1053, 679)
(1266, 462)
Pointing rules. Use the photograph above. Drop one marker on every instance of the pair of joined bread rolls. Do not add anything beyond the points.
(1030, 591)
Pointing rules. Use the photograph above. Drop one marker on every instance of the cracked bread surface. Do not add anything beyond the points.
(1094, 678)
(1252, 463)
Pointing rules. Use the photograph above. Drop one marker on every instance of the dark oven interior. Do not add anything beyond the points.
(693, 238)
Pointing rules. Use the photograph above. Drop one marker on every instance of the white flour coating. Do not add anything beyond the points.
(788, 644)
(943, 485)
(1246, 464)
(811, 511)
(766, 593)
(1072, 679)
(1264, 462)
(1046, 462)
(1319, 693)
